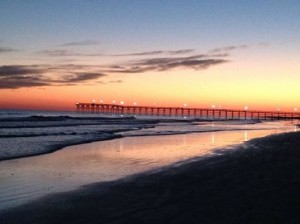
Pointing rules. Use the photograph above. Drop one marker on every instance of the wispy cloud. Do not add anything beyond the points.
(229, 48)
(66, 53)
(18, 76)
(81, 77)
(263, 44)
(80, 43)
(146, 53)
(115, 81)
(58, 53)
(17, 70)
(6, 50)
(197, 62)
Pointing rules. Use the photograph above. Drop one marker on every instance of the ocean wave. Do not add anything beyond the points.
(23, 147)
(44, 134)
(67, 121)
(36, 134)
(61, 118)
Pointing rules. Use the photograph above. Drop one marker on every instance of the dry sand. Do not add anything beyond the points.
(259, 182)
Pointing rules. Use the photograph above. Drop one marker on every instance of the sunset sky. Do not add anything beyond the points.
(56, 53)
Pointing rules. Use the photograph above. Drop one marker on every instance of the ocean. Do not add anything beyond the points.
(118, 147)
(27, 133)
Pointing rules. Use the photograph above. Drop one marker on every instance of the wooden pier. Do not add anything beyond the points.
(185, 112)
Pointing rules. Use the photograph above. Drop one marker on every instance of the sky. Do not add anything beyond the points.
(230, 54)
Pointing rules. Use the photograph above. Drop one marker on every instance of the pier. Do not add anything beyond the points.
(184, 112)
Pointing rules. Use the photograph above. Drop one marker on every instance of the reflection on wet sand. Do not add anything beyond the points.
(28, 178)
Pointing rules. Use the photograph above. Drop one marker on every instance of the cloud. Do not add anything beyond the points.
(197, 62)
(66, 53)
(111, 81)
(80, 77)
(115, 81)
(17, 70)
(184, 51)
(263, 44)
(58, 53)
(139, 53)
(80, 43)
(18, 76)
(21, 82)
(229, 48)
(6, 50)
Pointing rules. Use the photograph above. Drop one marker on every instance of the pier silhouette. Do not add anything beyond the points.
(185, 112)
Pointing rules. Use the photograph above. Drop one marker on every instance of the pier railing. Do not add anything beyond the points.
(185, 112)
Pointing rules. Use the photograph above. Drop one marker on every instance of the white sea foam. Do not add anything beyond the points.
(27, 133)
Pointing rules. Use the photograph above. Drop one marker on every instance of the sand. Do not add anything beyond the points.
(27, 179)
(258, 182)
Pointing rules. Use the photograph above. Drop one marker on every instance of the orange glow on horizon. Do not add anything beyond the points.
(226, 86)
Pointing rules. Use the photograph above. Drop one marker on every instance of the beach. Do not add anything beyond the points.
(149, 112)
(253, 182)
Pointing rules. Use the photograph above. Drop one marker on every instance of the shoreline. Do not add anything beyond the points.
(75, 166)
(256, 182)
(115, 135)
(58, 147)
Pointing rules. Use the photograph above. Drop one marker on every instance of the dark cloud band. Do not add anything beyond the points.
(18, 76)
(6, 50)
(146, 53)
(229, 48)
(197, 62)
(80, 43)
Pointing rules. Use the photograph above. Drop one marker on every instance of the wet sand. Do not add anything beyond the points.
(27, 179)
(257, 182)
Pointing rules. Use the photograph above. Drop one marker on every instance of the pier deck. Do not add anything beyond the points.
(185, 112)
